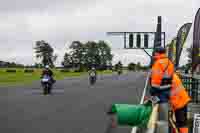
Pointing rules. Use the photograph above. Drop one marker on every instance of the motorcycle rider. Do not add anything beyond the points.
(93, 72)
(161, 75)
(92, 75)
(47, 71)
(179, 99)
(119, 68)
(161, 78)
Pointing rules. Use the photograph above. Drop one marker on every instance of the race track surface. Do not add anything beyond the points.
(74, 106)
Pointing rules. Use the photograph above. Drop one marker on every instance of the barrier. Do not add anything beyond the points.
(192, 84)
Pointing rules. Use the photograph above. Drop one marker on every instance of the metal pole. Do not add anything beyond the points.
(124, 39)
(164, 40)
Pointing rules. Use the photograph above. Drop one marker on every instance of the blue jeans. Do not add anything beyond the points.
(163, 95)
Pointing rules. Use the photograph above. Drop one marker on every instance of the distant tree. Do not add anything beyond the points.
(85, 55)
(131, 66)
(67, 61)
(138, 66)
(77, 54)
(38, 65)
(11, 64)
(105, 54)
(145, 68)
(92, 56)
(45, 52)
(118, 66)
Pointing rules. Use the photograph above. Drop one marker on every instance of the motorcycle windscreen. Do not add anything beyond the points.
(92, 74)
(46, 78)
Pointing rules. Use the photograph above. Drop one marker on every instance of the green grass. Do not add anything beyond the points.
(105, 72)
(10, 79)
(61, 75)
(21, 78)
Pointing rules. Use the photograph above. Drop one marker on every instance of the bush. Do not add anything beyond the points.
(82, 69)
(64, 70)
(28, 71)
(11, 70)
(103, 67)
(131, 67)
(77, 70)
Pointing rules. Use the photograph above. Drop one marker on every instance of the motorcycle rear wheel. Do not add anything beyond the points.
(49, 90)
(45, 91)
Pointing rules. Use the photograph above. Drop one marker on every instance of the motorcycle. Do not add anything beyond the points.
(92, 78)
(119, 72)
(47, 84)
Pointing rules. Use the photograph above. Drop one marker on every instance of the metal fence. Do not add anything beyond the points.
(192, 84)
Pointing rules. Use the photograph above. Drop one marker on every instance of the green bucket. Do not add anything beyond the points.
(132, 115)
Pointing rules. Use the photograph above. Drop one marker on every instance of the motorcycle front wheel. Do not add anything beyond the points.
(49, 89)
(45, 89)
(92, 81)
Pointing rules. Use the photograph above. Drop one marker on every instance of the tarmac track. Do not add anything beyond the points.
(74, 106)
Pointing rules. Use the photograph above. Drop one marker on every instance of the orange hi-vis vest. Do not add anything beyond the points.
(161, 77)
(178, 94)
(162, 67)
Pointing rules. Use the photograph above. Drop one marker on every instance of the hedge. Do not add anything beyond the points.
(28, 71)
(11, 70)
(64, 70)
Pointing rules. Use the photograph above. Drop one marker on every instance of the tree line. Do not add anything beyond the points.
(10, 64)
(137, 67)
(79, 55)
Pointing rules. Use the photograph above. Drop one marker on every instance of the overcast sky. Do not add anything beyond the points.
(59, 22)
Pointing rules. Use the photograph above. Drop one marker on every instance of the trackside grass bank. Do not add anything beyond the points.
(11, 78)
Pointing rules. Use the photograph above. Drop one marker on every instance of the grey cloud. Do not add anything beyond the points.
(22, 22)
(7, 6)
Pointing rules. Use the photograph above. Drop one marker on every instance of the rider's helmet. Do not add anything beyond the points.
(93, 68)
(47, 66)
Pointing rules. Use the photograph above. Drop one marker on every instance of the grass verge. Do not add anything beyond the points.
(21, 78)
